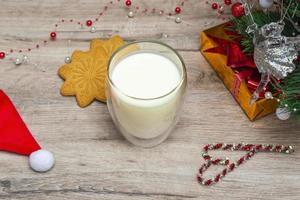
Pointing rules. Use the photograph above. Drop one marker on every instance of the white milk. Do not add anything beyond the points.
(146, 75)
(145, 95)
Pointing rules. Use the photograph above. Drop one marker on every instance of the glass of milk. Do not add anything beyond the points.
(146, 84)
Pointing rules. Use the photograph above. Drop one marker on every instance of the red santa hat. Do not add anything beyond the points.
(16, 138)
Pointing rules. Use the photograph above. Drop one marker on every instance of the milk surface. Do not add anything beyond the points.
(145, 75)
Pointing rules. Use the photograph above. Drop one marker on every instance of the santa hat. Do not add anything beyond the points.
(16, 138)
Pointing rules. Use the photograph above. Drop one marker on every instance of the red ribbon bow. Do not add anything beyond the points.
(243, 64)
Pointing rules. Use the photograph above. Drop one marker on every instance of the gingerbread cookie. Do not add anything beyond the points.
(85, 76)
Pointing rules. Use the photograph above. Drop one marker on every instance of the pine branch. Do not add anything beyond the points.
(290, 96)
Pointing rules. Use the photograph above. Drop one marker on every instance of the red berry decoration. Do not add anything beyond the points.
(128, 3)
(214, 6)
(178, 10)
(89, 23)
(227, 2)
(2, 55)
(53, 35)
(237, 10)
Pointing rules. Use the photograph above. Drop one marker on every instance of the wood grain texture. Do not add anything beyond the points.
(93, 160)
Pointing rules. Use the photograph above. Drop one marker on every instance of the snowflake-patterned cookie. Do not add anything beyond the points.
(85, 76)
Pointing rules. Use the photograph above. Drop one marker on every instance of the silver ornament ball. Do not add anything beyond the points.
(25, 59)
(130, 14)
(265, 4)
(164, 35)
(67, 59)
(221, 8)
(291, 149)
(286, 105)
(268, 95)
(178, 20)
(93, 29)
(18, 61)
(283, 113)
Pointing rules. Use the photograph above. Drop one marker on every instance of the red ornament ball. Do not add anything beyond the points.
(53, 35)
(2, 55)
(227, 2)
(89, 23)
(128, 3)
(178, 10)
(237, 10)
(214, 6)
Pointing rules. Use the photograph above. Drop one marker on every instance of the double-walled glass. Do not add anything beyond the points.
(145, 122)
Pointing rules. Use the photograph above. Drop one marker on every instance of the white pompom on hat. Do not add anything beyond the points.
(16, 138)
(41, 160)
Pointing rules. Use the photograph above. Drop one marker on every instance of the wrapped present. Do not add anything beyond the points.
(237, 70)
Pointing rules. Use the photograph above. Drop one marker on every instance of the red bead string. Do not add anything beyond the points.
(128, 3)
(219, 7)
(251, 150)
(89, 22)
(177, 10)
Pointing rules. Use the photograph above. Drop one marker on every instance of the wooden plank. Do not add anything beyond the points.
(93, 160)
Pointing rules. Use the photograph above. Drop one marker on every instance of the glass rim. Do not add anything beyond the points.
(183, 75)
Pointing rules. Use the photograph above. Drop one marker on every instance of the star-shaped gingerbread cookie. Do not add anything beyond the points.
(85, 76)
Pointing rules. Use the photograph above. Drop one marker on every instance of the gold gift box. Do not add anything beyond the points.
(218, 61)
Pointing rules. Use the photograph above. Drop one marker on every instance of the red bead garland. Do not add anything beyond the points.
(214, 6)
(2, 55)
(89, 23)
(128, 3)
(178, 10)
(53, 35)
(238, 10)
(251, 150)
(227, 2)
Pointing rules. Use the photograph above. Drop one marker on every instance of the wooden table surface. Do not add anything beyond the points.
(93, 161)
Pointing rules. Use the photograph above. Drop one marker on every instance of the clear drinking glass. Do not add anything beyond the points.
(145, 122)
